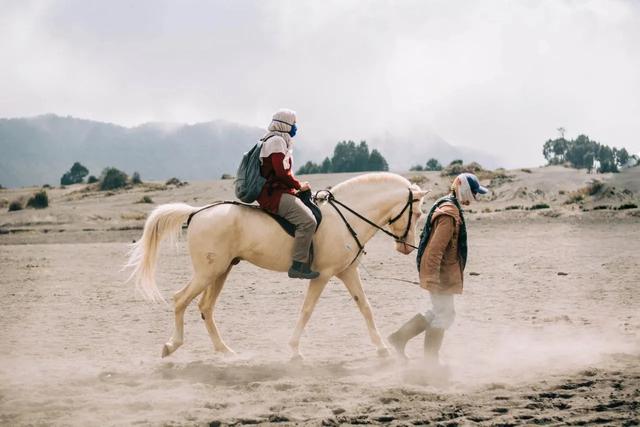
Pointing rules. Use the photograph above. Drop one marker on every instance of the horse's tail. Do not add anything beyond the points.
(164, 221)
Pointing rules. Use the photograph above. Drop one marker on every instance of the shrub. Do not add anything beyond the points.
(418, 179)
(92, 179)
(513, 208)
(135, 179)
(452, 170)
(600, 207)
(525, 170)
(227, 176)
(175, 181)
(145, 199)
(46, 186)
(4, 203)
(539, 206)
(627, 206)
(594, 187)
(574, 198)
(15, 205)
(416, 168)
(486, 210)
(112, 178)
(473, 167)
(75, 175)
(456, 168)
(39, 200)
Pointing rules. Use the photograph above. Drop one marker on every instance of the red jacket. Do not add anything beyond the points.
(279, 181)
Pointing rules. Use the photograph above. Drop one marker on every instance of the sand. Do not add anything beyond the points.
(547, 330)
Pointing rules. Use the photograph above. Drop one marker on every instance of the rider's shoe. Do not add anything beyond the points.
(301, 270)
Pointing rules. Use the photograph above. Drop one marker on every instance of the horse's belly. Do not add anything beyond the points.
(272, 252)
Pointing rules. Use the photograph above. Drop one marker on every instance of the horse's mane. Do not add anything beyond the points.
(375, 177)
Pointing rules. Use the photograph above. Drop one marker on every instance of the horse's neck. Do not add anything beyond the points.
(374, 202)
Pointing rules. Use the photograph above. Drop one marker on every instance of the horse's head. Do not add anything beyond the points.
(405, 216)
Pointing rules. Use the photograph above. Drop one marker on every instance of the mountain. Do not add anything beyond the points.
(404, 148)
(38, 150)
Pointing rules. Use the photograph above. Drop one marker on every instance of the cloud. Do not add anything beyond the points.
(497, 76)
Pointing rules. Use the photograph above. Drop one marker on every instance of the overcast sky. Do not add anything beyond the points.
(498, 76)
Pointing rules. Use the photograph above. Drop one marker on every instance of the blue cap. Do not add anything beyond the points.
(474, 184)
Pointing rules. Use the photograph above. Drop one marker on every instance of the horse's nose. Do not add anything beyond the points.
(403, 248)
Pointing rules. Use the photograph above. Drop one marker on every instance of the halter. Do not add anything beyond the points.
(399, 239)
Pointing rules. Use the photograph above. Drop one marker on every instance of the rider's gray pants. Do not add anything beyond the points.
(293, 210)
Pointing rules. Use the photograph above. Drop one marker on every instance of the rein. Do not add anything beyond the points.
(399, 239)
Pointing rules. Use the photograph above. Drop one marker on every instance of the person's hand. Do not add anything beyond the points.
(305, 186)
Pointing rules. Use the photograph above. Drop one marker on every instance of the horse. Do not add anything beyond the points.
(220, 236)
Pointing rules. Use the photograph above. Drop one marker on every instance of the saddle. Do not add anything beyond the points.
(288, 227)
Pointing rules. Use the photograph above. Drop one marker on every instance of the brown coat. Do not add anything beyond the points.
(440, 266)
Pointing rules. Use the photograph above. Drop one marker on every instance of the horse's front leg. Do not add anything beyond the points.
(316, 286)
(351, 279)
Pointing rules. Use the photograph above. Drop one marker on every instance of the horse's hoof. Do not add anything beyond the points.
(166, 351)
(227, 352)
(297, 358)
(383, 352)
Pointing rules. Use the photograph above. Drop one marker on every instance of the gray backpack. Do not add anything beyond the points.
(249, 182)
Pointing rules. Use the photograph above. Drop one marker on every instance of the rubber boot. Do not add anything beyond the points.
(301, 270)
(432, 342)
(410, 329)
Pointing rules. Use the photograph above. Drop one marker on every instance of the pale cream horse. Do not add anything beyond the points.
(220, 236)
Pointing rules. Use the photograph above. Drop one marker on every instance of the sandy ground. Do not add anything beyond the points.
(529, 346)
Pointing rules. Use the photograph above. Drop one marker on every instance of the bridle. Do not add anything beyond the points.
(330, 198)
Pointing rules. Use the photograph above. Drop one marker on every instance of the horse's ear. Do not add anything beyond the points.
(420, 193)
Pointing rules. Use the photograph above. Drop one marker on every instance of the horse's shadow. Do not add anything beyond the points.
(246, 373)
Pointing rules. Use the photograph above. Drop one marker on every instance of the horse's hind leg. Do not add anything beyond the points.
(207, 302)
(316, 286)
(181, 299)
(351, 279)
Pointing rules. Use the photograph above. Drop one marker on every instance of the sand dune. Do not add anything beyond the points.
(547, 331)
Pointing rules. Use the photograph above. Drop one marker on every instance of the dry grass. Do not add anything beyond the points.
(135, 216)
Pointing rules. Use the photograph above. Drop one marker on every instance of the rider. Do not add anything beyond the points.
(279, 192)
(441, 268)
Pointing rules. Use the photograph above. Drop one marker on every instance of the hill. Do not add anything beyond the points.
(39, 150)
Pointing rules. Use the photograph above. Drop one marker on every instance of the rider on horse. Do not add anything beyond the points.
(278, 195)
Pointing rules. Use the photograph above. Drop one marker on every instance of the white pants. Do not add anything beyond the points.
(442, 312)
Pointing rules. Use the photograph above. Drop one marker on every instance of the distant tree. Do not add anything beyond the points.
(112, 178)
(622, 157)
(91, 179)
(308, 168)
(344, 157)
(607, 160)
(135, 179)
(75, 175)
(456, 162)
(417, 168)
(326, 166)
(583, 153)
(434, 165)
(561, 131)
(377, 162)
(348, 157)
